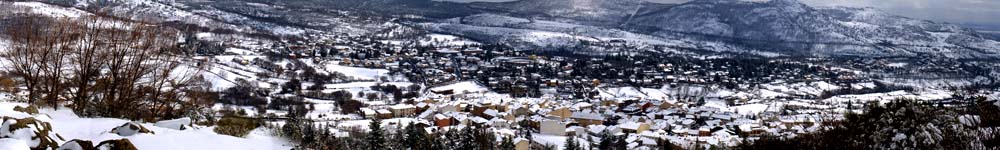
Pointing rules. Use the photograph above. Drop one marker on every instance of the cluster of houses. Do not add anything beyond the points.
(641, 121)
(558, 96)
(523, 73)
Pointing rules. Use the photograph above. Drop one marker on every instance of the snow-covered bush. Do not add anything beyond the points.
(30, 109)
(37, 133)
(236, 126)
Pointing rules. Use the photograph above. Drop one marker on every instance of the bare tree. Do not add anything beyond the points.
(57, 44)
(134, 55)
(107, 66)
(87, 61)
(23, 54)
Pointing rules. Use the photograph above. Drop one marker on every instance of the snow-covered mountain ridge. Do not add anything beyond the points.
(785, 27)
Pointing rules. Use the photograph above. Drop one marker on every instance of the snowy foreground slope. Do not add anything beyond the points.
(69, 126)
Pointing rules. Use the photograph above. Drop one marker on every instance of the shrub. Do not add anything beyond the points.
(242, 95)
(236, 126)
(32, 109)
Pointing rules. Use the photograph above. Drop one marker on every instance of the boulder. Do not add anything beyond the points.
(176, 124)
(38, 134)
(130, 128)
(77, 144)
(119, 144)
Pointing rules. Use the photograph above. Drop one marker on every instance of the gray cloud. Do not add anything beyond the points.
(953, 11)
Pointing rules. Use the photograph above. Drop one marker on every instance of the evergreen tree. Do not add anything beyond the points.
(483, 138)
(292, 130)
(900, 124)
(507, 144)
(620, 143)
(989, 114)
(571, 144)
(850, 105)
(607, 140)
(376, 139)
(590, 141)
(466, 139)
(662, 144)
(416, 138)
(549, 147)
(527, 135)
(437, 142)
(308, 134)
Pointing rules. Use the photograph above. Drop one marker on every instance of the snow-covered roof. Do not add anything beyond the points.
(402, 106)
(367, 111)
(630, 125)
(491, 112)
(588, 116)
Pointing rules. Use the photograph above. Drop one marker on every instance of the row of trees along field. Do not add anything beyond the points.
(104, 66)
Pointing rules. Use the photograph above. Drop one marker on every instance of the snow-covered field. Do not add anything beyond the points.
(558, 141)
(886, 97)
(357, 73)
(70, 126)
(462, 88)
(49, 10)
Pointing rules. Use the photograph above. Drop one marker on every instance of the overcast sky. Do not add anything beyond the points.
(954, 11)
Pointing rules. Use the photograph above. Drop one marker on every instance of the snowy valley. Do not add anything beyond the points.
(527, 74)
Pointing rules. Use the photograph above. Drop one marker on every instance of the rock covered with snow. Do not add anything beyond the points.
(119, 144)
(37, 134)
(176, 124)
(69, 126)
(77, 144)
(130, 128)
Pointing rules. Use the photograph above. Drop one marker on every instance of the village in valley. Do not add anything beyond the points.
(444, 83)
(429, 75)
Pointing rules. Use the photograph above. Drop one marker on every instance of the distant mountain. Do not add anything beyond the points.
(799, 28)
(781, 27)
(600, 12)
(992, 30)
(260, 17)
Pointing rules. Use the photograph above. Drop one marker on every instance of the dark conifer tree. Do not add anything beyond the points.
(620, 143)
(376, 137)
(607, 140)
(571, 144)
(416, 138)
(466, 139)
(662, 144)
(507, 144)
(483, 138)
